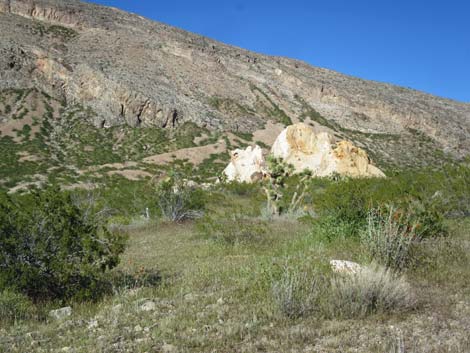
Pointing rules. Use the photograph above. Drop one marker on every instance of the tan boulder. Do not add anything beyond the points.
(302, 147)
(246, 165)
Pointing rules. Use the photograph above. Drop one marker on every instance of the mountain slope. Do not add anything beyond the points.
(124, 71)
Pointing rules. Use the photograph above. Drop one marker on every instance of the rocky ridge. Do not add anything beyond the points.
(124, 69)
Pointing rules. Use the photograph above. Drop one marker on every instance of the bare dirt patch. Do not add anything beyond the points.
(131, 174)
(269, 134)
(194, 155)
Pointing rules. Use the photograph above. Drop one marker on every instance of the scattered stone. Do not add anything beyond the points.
(138, 328)
(343, 266)
(148, 306)
(61, 313)
(169, 348)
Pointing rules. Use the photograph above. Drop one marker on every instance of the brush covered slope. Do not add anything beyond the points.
(142, 89)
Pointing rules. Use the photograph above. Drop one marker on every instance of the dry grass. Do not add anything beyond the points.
(215, 297)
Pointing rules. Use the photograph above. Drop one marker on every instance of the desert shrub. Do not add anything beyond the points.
(233, 228)
(421, 194)
(389, 237)
(50, 250)
(15, 306)
(372, 290)
(242, 189)
(299, 293)
(329, 227)
(454, 191)
(179, 201)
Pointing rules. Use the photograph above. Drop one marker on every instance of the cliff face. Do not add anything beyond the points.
(130, 70)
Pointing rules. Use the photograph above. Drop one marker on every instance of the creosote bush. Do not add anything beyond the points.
(50, 250)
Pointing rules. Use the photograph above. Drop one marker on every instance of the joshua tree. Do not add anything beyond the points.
(278, 172)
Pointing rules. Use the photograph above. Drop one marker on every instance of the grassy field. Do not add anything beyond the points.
(199, 294)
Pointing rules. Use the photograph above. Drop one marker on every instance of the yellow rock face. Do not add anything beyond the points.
(354, 161)
(300, 146)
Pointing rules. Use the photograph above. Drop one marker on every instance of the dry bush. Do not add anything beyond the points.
(374, 289)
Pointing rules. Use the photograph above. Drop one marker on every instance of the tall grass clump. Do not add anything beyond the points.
(371, 290)
(389, 237)
(299, 294)
(15, 306)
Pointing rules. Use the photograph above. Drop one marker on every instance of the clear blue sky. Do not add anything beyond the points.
(413, 43)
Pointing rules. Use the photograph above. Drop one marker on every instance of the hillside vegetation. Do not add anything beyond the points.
(230, 276)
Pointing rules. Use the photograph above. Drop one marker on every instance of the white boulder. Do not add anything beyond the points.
(246, 165)
(61, 313)
(343, 266)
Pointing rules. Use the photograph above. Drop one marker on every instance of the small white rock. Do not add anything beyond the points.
(61, 313)
(148, 306)
(343, 266)
(93, 324)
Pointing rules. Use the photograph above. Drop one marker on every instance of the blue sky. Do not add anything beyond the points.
(413, 43)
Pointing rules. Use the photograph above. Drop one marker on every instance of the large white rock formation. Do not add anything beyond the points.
(300, 146)
(246, 165)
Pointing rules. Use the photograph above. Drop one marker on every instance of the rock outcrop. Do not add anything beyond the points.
(246, 165)
(302, 147)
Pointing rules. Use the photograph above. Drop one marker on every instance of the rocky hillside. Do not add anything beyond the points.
(130, 77)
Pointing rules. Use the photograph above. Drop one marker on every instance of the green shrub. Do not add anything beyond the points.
(242, 189)
(369, 291)
(15, 306)
(50, 250)
(425, 195)
(233, 228)
(178, 201)
(329, 227)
